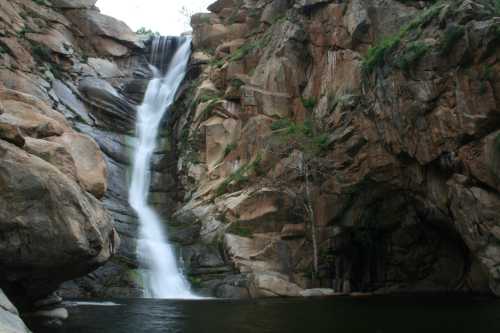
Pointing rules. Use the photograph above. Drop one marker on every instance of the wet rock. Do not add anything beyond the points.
(109, 107)
(57, 313)
(274, 285)
(317, 292)
(68, 98)
(50, 300)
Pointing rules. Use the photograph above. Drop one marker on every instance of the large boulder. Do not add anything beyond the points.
(50, 230)
(89, 161)
(92, 24)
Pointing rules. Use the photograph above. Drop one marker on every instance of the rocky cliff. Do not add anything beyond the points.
(70, 78)
(350, 145)
(347, 146)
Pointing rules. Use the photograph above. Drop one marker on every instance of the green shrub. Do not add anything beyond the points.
(309, 102)
(195, 281)
(147, 32)
(41, 2)
(411, 55)
(210, 106)
(376, 55)
(301, 136)
(22, 33)
(242, 52)
(236, 178)
(451, 36)
(41, 53)
(281, 124)
(240, 176)
(229, 148)
(239, 230)
(237, 83)
(218, 63)
(208, 97)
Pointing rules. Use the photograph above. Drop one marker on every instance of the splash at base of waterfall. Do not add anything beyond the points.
(162, 276)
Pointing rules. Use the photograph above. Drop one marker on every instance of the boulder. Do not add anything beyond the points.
(94, 24)
(55, 153)
(269, 284)
(29, 121)
(50, 230)
(318, 292)
(53, 39)
(90, 165)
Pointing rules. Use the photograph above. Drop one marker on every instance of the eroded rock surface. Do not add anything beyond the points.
(344, 145)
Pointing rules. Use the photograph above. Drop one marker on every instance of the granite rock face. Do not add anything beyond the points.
(344, 145)
(63, 172)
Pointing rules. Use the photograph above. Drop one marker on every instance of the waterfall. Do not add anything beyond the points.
(162, 277)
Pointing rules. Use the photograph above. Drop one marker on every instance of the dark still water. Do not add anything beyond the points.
(339, 315)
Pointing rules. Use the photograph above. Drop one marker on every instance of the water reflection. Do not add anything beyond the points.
(339, 315)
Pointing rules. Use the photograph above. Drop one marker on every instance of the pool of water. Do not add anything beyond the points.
(338, 314)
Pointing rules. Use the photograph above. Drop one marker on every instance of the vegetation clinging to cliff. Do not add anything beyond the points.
(377, 54)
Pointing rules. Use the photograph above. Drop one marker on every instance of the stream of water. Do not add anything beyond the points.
(162, 277)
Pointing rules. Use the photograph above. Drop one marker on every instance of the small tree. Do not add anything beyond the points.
(308, 145)
(147, 32)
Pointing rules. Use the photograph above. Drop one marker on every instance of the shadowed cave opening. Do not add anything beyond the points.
(396, 246)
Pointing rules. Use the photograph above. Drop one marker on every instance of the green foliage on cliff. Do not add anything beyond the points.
(376, 55)
(229, 148)
(239, 230)
(301, 136)
(309, 102)
(497, 7)
(411, 54)
(41, 2)
(22, 33)
(195, 281)
(451, 36)
(41, 53)
(240, 176)
(212, 102)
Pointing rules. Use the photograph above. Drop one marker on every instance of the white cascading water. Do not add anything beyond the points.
(162, 277)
